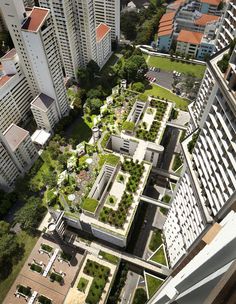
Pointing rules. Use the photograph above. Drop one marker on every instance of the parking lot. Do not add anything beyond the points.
(162, 78)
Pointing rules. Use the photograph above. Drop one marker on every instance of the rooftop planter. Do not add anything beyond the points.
(82, 285)
(56, 277)
(44, 300)
(46, 248)
(100, 276)
(118, 217)
(24, 290)
(36, 268)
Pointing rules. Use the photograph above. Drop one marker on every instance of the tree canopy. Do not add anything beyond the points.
(30, 214)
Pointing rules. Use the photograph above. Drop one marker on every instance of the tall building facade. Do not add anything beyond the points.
(41, 44)
(75, 24)
(67, 32)
(15, 93)
(33, 35)
(210, 276)
(17, 154)
(207, 188)
(108, 12)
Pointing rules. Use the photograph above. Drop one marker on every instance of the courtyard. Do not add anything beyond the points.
(46, 275)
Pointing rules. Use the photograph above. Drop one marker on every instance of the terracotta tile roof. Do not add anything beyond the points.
(175, 5)
(190, 37)
(165, 23)
(165, 33)
(211, 2)
(4, 79)
(167, 17)
(205, 18)
(42, 101)
(101, 31)
(9, 54)
(35, 19)
(14, 135)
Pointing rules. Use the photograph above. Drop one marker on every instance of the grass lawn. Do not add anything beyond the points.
(29, 242)
(153, 284)
(167, 65)
(177, 162)
(79, 130)
(158, 91)
(111, 159)
(166, 198)
(159, 256)
(109, 257)
(90, 204)
(156, 240)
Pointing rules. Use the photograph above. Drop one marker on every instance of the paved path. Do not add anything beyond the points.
(166, 173)
(153, 201)
(175, 125)
(130, 258)
(129, 288)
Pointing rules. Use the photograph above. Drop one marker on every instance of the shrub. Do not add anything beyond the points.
(128, 126)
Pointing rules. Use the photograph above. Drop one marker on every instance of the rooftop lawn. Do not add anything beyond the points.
(153, 284)
(82, 284)
(29, 242)
(109, 257)
(160, 92)
(110, 159)
(156, 240)
(167, 65)
(90, 204)
(159, 256)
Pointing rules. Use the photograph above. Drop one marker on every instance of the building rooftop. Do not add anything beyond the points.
(165, 29)
(4, 79)
(167, 17)
(9, 55)
(190, 37)
(42, 101)
(40, 137)
(211, 2)
(35, 19)
(14, 135)
(205, 18)
(101, 31)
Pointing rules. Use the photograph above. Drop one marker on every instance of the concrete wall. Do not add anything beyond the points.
(107, 236)
(118, 144)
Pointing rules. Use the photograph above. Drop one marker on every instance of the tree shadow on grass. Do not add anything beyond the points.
(78, 131)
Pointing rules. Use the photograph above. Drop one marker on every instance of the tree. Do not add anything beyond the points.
(134, 68)
(83, 78)
(128, 24)
(4, 228)
(54, 149)
(138, 86)
(94, 105)
(30, 214)
(9, 252)
(50, 179)
(93, 68)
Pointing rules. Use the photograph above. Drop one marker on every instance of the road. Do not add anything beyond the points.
(163, 78)
(129, 288)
